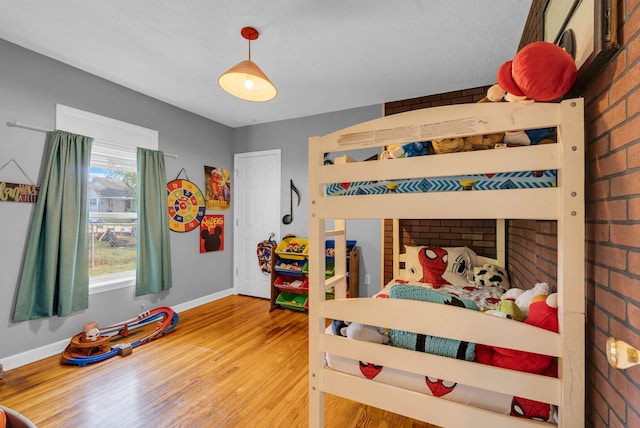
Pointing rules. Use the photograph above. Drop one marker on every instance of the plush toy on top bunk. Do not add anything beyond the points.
(541, 71)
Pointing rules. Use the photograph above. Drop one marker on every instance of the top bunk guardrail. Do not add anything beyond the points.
(457, 121)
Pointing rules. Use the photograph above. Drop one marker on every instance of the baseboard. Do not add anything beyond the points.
(33, 355)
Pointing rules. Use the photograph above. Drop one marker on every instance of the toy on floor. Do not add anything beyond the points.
(95, 344)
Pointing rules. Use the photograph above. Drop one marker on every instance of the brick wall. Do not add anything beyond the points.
(612, 102)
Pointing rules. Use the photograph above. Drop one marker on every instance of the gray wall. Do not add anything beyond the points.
(31, 85)
(292, 137)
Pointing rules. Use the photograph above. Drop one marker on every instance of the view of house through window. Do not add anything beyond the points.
(112, 193)
(112, 219)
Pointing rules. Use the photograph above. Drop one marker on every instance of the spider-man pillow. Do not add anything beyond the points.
(439, 265)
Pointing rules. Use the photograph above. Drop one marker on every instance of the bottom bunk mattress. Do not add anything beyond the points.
(477, 397)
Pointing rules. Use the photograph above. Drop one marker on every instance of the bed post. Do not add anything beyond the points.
(316, 286)
(571, 263)
(501, 237)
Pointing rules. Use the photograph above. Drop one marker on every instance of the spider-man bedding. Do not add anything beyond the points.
(461, 295)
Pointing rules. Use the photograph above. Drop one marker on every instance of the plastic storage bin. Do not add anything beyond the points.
(294, 301)
(330, 246)
(293, 248)
(293, 283)
(291, 267)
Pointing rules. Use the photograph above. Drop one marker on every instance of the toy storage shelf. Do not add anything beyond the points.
(289, 283)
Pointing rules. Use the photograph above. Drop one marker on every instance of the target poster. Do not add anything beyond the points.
(212, 233)
(186, 205)
(217, 188)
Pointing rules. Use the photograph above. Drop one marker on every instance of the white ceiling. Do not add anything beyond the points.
(322, 55)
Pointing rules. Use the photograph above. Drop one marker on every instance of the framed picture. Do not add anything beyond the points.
(587, 29)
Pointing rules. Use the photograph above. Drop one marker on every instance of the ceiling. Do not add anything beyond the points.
(323, 56)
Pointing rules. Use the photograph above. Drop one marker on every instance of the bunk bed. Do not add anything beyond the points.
(562, 201)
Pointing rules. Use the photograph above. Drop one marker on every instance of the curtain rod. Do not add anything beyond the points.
(16, 124)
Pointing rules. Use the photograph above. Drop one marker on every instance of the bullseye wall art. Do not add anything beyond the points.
(186, 204)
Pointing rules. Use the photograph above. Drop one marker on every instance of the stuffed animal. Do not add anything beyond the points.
(541, 71)
(489, 275)
(526, 297)
(543, 313)
(472, 142)
(358, 331)
(506, 308)
(408, 150)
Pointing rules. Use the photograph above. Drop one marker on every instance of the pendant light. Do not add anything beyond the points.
(245, 80)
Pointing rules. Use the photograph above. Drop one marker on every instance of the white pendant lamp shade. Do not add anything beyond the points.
(245, 80)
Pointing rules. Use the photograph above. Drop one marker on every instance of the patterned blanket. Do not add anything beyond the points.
(431, 344)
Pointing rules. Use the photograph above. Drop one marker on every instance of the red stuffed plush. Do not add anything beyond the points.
(540, 71)
(541, 314)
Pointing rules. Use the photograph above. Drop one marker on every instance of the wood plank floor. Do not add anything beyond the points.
(229, 363)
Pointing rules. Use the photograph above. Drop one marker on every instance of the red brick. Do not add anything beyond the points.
(626, 388)
(600, 405)
(611, 118)
(625, 285)
(610, 303)
(632, 23)
(616, 422)
(601, 319)
(613, 163)
(622, 87)
(633, 103)
(598, 232)
(625, 134)
(601, 276)
(634, 263)
(625, 185)
(634, 208)
(611, 257)
(613, 398)
(633, 312)
(597, 190)
(628, 235)
(633, 420)
(610, 210)
(599, 147)
(598, 105)
(633, 156)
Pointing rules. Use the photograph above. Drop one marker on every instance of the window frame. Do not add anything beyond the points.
(117, 134)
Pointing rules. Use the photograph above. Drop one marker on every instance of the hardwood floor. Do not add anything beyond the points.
(229, 363)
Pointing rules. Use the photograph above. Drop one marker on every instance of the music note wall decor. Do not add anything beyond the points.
(288, 218)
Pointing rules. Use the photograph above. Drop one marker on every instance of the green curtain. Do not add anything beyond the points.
(153, 272)
(55, 272)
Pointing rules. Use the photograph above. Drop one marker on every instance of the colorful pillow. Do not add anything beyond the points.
(436, 265)
(431, 344)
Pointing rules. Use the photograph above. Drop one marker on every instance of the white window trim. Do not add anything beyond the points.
(118, 133)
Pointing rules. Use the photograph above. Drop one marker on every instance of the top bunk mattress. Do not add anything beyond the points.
(489, 181)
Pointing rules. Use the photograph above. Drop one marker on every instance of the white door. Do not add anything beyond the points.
(256, 215)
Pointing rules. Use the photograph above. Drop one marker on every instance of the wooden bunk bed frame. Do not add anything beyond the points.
(563, 203)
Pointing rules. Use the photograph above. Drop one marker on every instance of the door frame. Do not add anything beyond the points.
(236, 211)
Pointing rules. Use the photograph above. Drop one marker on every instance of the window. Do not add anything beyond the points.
(112, 194)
